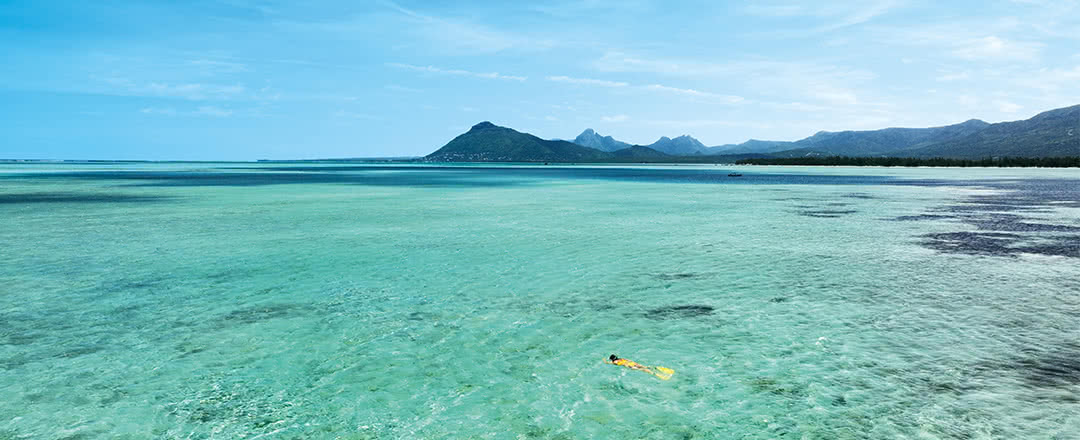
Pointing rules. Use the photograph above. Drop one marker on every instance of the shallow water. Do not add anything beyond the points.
(354, 301)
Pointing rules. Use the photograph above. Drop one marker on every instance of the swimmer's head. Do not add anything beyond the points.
(613, 358)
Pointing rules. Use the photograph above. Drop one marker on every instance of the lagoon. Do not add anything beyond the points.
(377, 301)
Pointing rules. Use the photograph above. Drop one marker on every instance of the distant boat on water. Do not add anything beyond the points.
(734, 175)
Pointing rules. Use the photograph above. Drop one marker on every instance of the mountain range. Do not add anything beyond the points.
(1049, 134)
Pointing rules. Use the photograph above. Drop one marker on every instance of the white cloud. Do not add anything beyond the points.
(218, 66)
(835, 15)
(205, 110)
(587, 81)
(615, 118)
(188, 91)
(996, 48)
(731, 99)
(765, 10)
(168, 111)
(209, 110)
(1007, 107)
(457, 72)
(797, 106)
(970, 40)
(834, 96)
(465, 36)
(681, 124)
(398, 88)
(354, 115)
(953, 76)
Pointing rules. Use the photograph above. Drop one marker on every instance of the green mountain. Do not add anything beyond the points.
(751, 146)
(884, 142)
(637, 151)
(487, 142)
(1055, 133)
(591, 139)
(1052, 133)
(681, 146)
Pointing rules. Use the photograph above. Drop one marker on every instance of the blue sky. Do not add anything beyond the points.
(248, 79)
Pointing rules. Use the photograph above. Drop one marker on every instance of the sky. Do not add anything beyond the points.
(268, 79)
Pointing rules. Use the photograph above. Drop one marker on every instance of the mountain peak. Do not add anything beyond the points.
(483, 126)
(592, 139)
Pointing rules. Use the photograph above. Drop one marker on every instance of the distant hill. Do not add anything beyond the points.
(1053, 133)
(752, 146)
(681, 146)
(637, 151)
(882, 142)
(487, 142)
(591, 139)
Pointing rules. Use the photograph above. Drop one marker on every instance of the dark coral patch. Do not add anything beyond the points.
(827, 213)
(66, 197)
(679, 312)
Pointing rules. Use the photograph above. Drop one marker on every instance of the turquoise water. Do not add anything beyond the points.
(221, 301)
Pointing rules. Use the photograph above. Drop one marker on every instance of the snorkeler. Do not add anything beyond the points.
(661, 372)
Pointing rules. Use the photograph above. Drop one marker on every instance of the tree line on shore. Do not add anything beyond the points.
(1002, 162)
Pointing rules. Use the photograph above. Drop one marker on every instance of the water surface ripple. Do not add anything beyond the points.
(222, 301)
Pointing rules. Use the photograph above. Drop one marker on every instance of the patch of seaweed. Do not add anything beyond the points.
(250, 315)
(679, 312)
(68, 197)
(972, 243)
(676, 276)
(827, 213)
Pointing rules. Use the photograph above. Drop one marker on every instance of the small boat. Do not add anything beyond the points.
(734, 175)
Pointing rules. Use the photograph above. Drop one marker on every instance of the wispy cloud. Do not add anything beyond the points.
(188, 91)
(770, 80)
(973, 40)
(588, 81)
(731, 99)
(956, 76)
(470, 36)
(458, 72)
(397, 88)
(1007, 107)
(209, 110)
(680, 124)
(615, 118)
(218, 66)
(996, 48)
(834, 16)
(205, 110)
(168, 111)
(355, 115)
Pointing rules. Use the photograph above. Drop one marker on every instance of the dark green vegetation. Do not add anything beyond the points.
(1041, 162)
(1053, 137)
(879, 142)
(487, 142)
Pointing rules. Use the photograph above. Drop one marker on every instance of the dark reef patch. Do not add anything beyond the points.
(999, 224)
(972, 243)
(1051, 370)
(912, 218)
(827, 213)
(863, 196)
(440, 176)
(679, 312)
(68, 197)
(250, 315)
(676, 276)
